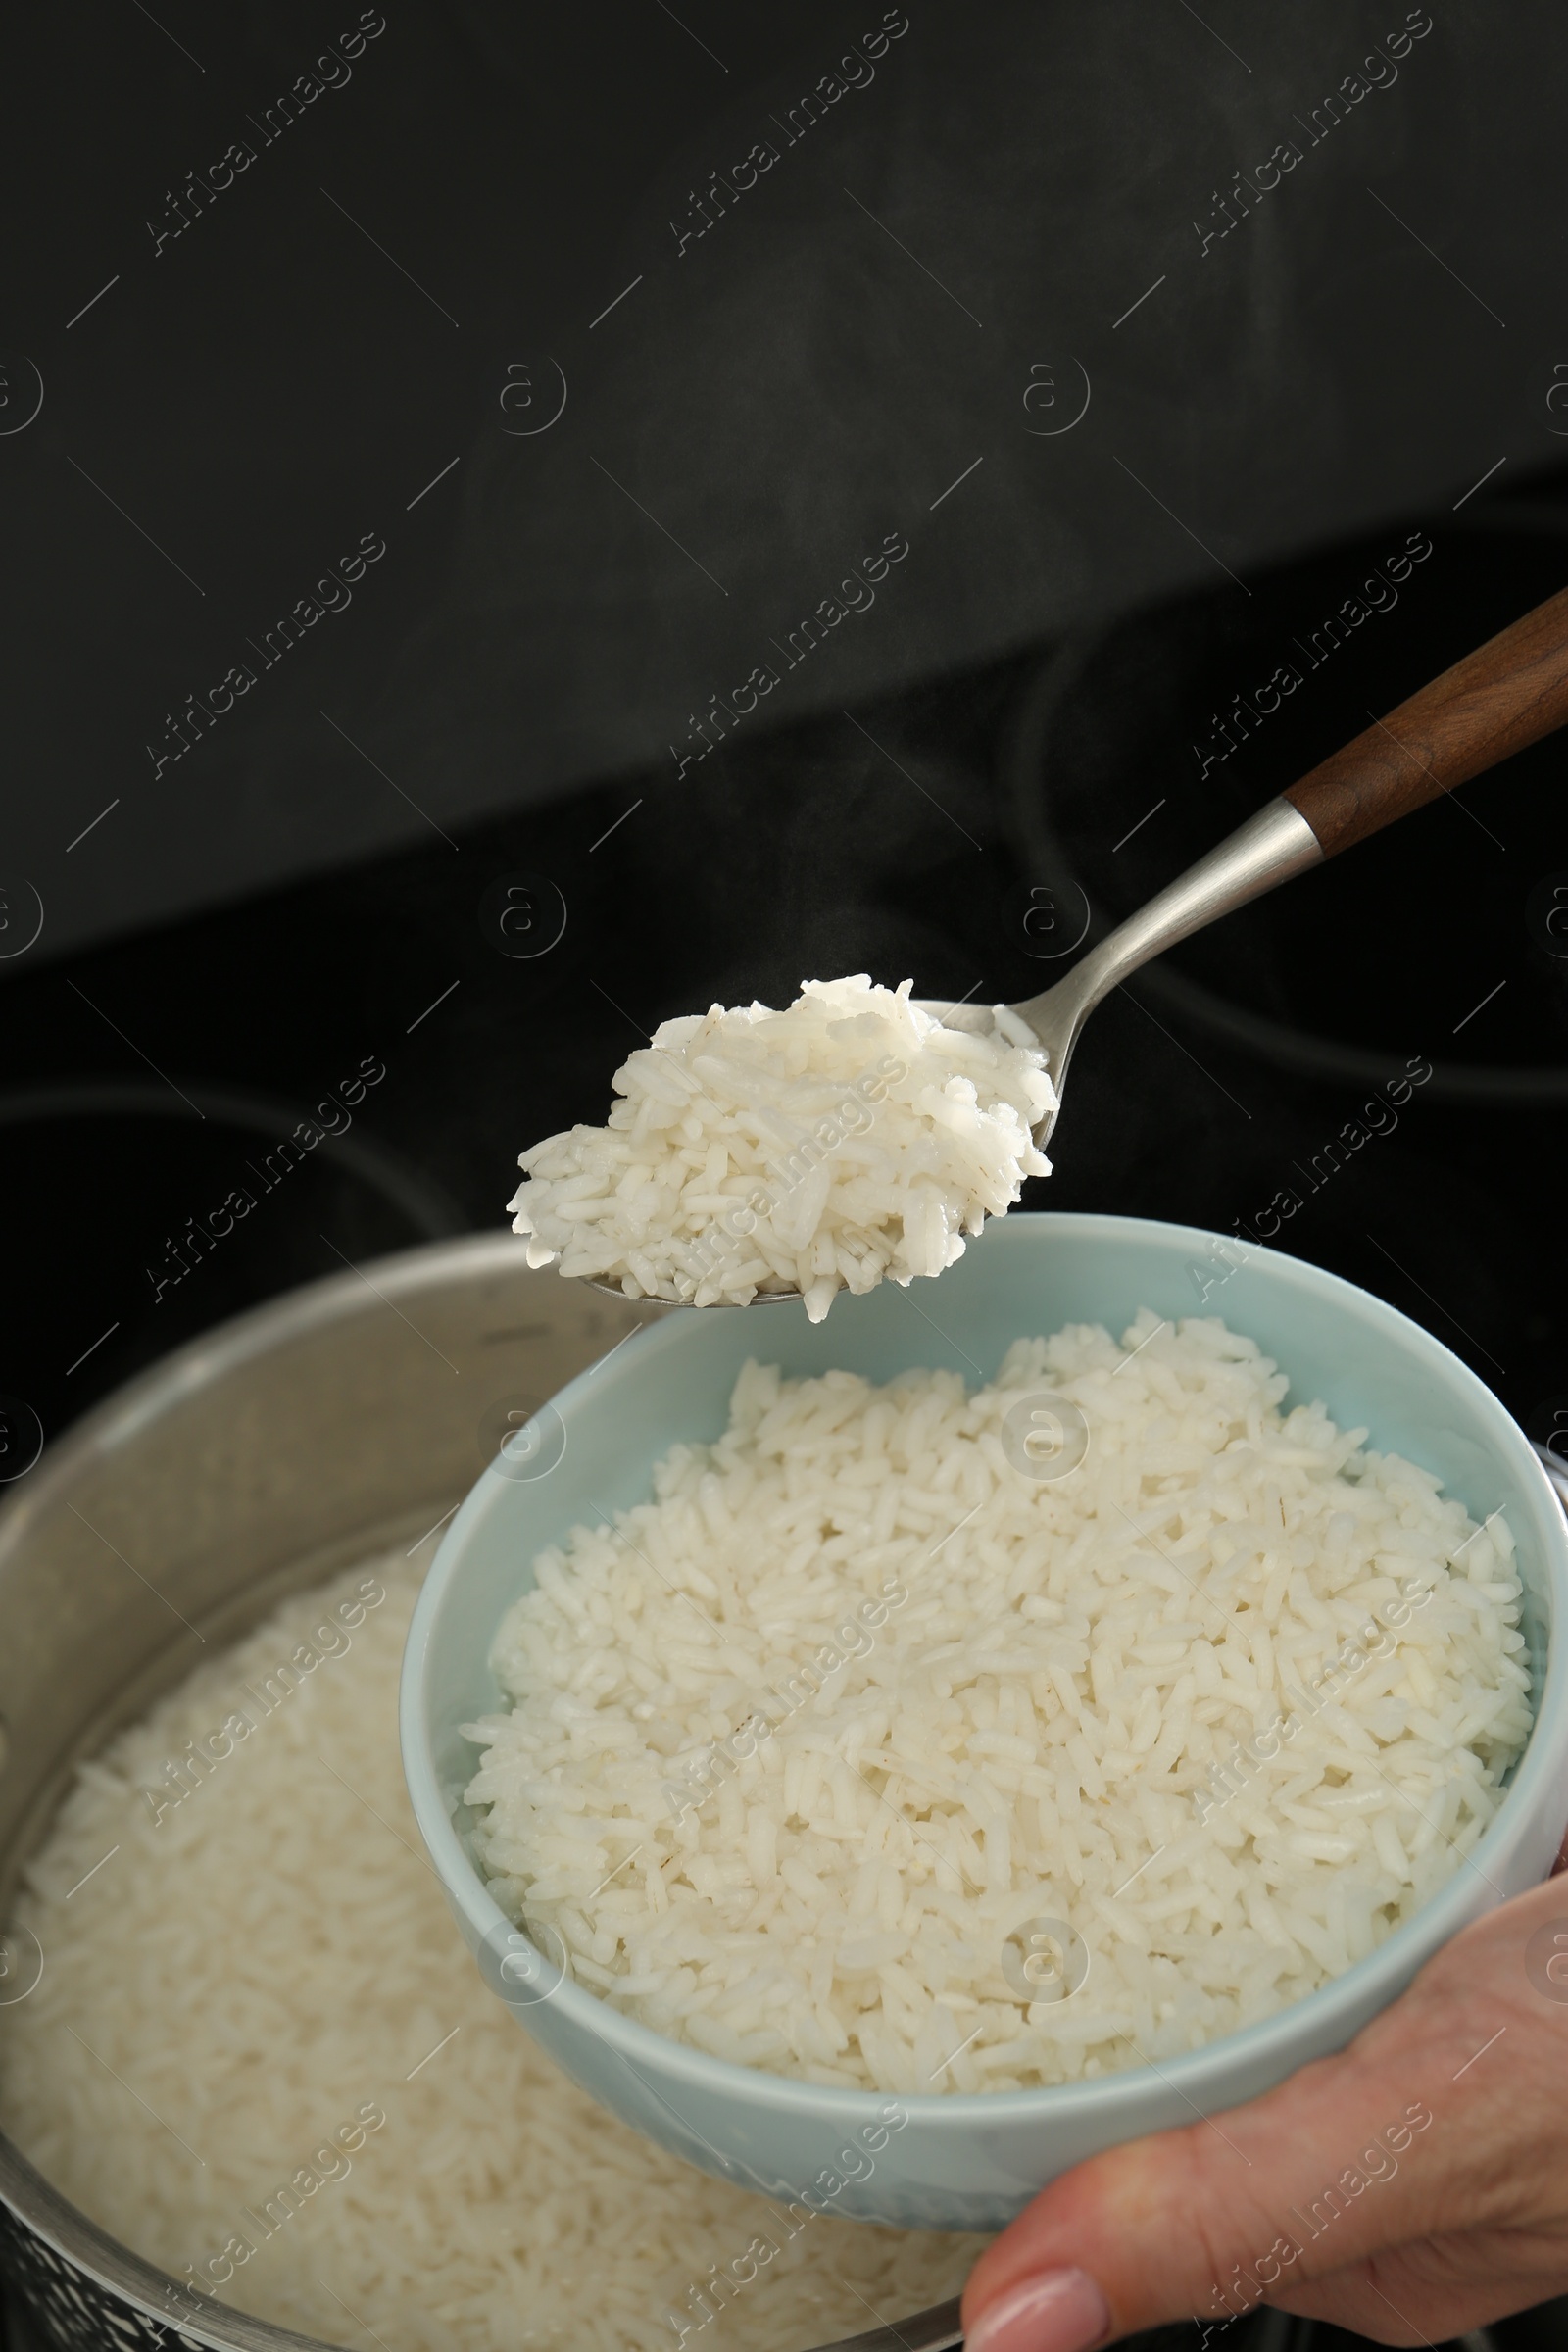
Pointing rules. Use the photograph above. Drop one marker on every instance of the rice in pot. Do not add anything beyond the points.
(260, 2055)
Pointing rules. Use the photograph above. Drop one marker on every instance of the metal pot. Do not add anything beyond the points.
(343, 1418)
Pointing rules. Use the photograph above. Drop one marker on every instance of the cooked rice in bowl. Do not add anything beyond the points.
(885, 1749)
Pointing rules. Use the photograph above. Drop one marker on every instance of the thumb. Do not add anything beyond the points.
(1210, 2220)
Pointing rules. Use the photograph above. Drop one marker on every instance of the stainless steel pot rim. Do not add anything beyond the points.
(121, 1416)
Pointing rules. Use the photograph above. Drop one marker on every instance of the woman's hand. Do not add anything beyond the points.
(1409, 2188)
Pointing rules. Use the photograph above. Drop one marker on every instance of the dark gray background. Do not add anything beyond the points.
(795, 385)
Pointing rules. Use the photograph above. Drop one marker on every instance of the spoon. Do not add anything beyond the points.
(1507, 693)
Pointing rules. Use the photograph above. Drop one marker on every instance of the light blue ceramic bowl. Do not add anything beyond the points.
(965, 2162)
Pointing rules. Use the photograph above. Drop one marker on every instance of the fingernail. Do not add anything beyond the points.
(1062, 2311)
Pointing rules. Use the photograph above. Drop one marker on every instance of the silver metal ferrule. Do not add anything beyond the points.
(1270, 847)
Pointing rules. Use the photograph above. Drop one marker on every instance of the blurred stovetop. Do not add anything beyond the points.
(923, 837)
(958, 834)
(1544, 2330)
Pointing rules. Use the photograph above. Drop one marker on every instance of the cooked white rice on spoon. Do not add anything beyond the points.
(849, 1139)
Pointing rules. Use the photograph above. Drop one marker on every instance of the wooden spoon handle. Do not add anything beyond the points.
(1507, 693)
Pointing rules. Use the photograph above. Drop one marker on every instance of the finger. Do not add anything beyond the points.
(1207, 2220)
(1338, 2165)
(1428, 2292)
